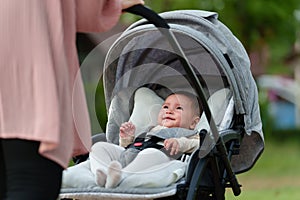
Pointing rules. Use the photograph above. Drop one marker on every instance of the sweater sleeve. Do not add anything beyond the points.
(124, 142)
(97, 15)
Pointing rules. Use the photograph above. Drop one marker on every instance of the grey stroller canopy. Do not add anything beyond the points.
(142, 56)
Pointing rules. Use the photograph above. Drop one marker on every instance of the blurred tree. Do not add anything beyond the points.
(267, 28)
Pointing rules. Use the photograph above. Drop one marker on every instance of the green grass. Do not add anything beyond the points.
(283, 193)
(276, 175)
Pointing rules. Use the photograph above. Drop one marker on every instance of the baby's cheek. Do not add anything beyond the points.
(159, 118)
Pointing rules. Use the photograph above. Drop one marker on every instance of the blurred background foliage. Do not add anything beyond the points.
(268, 29)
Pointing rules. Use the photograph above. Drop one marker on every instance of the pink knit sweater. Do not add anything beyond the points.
(41, 94)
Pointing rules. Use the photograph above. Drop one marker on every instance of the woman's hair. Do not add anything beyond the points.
(196, 103)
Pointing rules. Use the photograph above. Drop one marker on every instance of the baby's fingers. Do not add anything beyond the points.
(172, 146)
(172, 151)
(166, 144)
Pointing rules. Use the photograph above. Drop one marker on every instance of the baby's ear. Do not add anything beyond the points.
(194, 122)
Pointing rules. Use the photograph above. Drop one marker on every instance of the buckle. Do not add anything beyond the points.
(138, 144)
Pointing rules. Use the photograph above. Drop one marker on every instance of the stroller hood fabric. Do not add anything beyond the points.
(143, 46)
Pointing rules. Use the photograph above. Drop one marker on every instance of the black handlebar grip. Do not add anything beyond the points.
(148, 14)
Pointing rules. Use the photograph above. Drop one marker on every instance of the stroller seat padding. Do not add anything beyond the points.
(144, 113)
(146, 106)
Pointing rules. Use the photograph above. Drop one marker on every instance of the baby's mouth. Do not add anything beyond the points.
(168, 118)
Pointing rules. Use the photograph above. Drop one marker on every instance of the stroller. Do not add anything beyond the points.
(184, 50)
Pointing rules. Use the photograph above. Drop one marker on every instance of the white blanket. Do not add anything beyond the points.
(80, 176)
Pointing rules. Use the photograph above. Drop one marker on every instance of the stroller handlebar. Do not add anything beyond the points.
(148, 14)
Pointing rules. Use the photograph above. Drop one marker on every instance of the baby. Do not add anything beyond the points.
(179, 110)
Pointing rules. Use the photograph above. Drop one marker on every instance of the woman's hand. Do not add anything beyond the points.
(172, 145)
(129, 3)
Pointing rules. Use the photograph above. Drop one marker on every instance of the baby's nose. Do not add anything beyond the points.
(169, 111)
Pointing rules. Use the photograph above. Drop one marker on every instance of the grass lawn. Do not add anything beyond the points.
(276, 175)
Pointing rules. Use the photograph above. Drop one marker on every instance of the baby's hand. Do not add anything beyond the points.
(127, 129)
(172, 145)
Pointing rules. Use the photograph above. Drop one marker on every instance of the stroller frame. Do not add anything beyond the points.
(206, 177)
(219, 172)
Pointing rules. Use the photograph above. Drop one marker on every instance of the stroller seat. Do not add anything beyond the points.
(141, 69)
(79, 183)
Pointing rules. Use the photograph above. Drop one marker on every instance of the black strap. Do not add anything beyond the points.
(141, 144)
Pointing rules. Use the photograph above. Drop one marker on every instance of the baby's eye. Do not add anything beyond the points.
(165, 107)
(179, 108)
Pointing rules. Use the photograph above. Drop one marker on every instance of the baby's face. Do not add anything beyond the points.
(176, 112)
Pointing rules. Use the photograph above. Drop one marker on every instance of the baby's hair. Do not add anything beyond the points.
(196, 103)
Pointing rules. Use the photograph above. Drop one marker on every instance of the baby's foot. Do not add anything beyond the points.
(100, 178)
(114, 175)
(127, 129)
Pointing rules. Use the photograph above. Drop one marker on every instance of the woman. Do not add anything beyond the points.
(43, 122)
